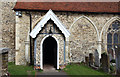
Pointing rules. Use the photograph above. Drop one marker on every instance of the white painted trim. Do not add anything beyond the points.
(41, 51)
(107, 24)
(89, 21)
(48, 16)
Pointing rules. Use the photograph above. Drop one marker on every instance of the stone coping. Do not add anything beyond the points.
(4, 50)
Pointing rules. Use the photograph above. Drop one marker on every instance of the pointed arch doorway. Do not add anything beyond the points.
(50, 53)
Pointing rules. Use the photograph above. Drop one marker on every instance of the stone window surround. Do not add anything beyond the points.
(103, 32)
(113, 34)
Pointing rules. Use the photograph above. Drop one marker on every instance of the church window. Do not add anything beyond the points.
(113, 35)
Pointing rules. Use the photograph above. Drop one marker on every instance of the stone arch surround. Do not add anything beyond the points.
(89, 21)
(60, 49)
(103, 34)
(41, 51)
(79, 43)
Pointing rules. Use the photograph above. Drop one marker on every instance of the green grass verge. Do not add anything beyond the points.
(20, 69)
(76, 69)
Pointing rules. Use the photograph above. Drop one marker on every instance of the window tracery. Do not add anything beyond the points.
(113, 35)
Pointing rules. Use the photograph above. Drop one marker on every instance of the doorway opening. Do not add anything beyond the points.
(50, 52)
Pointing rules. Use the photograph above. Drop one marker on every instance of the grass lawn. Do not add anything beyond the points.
(76, 69)
(20, 70)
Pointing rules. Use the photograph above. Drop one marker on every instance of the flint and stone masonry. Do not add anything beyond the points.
(7, 29)
(7, 26)
(85, 33)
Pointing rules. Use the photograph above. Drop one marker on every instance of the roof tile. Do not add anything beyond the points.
(110, 7)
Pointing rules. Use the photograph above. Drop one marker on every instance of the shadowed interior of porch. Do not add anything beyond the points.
(50, 52)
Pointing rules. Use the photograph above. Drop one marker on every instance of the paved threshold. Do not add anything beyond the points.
(51, 72)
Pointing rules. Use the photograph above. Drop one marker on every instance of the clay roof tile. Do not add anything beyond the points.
(109, 7)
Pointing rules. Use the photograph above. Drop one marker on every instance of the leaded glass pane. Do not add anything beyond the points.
(109, 47)
(116, 25)
(109, 38)
(119, 38)
(115, 38)
(116, 45)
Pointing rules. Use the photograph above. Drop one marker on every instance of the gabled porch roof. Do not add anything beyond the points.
(49, 15)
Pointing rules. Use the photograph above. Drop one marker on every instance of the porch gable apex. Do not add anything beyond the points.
(49, 15)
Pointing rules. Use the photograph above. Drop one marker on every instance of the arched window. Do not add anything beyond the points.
(113, 36)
